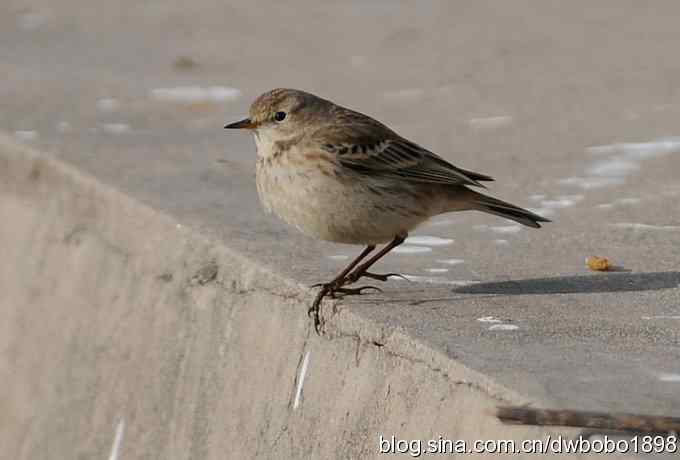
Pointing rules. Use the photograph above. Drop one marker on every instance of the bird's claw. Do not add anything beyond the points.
(353, 278)
(332, 290)
(351, 291)
(315, 309)
(385, 277)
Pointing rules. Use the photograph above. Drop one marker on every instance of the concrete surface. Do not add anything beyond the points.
(571, 106)
(118, 319)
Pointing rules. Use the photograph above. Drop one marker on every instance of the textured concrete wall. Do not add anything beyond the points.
(117, 318)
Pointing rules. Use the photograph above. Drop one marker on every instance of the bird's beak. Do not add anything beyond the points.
(246, 123)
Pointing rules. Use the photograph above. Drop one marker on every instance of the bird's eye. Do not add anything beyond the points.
(280, 116)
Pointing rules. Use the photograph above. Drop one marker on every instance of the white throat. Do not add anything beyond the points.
(265, 140)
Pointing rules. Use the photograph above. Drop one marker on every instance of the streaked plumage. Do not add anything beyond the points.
(342, 176)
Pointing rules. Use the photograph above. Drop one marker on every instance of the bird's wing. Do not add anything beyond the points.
(371, 148)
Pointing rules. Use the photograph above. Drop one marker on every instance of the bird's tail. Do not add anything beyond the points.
(485, 203)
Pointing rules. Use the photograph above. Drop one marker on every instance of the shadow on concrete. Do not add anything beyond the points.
(616, 282)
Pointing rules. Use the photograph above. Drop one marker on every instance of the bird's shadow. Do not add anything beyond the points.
(614, 282)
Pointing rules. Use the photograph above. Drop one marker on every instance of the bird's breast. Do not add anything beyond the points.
(309, 190)
(290, 181)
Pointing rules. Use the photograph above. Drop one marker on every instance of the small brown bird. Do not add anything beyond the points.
(341, 176)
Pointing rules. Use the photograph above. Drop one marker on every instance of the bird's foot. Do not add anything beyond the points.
(343, 291)
(354, 277)
(334, 290)
(314, 311)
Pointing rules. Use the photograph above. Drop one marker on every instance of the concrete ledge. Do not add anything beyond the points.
(113, 311)
(188, 341)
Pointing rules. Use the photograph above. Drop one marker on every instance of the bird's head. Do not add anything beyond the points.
(282, 113)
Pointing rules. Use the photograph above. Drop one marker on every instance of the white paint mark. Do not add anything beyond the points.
(639, 150)
(545, 212)
(405, 95)
(673, 378)
(192, 94)
(108, 104)
(434, 280)
(407, 249)
(502, 229)
(608, 149)
(437, 270)
(301, 380)
(619, 202)
(662, 107)
(622, 160)
(428, 240)
(63, 127)
(490, 122)
(503, 327)
(116, 128)
(444, 221)
(537, 197)
(117, 440)
(660, 317)
(637, 226)
(588, 183)
(613, 167)
(450, 261)
(223, 94)
(564, 201)
(506, 229)
(501, 242)
(339, 257)
(489, 319)
(27, 135)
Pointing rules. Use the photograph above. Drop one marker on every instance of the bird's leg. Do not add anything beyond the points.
(336, 286)
(362, 270)
(337, 281)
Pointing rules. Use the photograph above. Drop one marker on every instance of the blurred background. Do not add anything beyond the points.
(137, 93)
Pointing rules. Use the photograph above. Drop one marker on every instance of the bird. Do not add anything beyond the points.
(338, 175)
